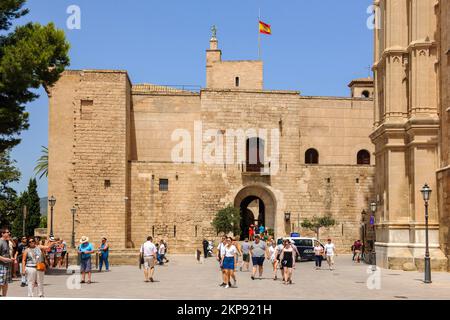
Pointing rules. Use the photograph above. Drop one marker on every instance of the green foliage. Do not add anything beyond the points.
(318, 222)
(9, 10)
(8, 174)
(42, 163)
(227, 220)
(30, 56)
(30, 199)
(43, 223)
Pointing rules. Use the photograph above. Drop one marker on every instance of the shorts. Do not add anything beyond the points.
(228, 263)
(258, 261)
(58, 254)
(51, 256)
(149, 262)
(85, 265)
(330, 259)
(246, 257)
(5, 274)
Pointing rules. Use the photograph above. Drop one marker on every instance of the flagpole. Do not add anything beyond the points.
(259, 36)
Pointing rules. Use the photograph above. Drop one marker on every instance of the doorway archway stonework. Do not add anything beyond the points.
(273, 204)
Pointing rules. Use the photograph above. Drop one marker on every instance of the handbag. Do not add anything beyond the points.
(40, 266)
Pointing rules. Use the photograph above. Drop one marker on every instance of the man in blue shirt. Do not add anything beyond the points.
(85, 249)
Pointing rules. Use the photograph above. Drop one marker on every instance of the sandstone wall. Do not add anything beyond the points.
(222, 75)
(88, 121)
(444, 173)
(126, 138)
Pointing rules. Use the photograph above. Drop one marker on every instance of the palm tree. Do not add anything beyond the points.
(42, 163)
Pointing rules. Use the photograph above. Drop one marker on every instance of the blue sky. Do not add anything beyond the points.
(317, 47)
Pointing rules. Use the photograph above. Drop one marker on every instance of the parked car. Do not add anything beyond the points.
(305, 246)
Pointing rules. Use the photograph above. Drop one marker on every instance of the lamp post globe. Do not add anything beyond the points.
(51, 202)
(373, 207)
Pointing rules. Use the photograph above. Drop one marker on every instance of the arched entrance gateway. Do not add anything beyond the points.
(257, 205)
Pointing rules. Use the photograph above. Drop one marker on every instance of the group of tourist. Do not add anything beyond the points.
(150, 255)
(328, 252)
(32, 256)
(260, 230)
(282, 256)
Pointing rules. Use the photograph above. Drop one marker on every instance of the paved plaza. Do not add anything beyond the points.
(184, 278)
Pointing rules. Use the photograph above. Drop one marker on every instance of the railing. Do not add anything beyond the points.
(257, 168)
(166, 88)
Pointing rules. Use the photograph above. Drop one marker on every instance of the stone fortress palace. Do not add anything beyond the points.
(112, 145)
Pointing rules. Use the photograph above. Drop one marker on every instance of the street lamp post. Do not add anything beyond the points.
(73, 210)
(426, 193)
(51, 202)
(373, 209)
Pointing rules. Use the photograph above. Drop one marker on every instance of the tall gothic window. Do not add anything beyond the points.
(363, 157)
(254, 154)
(312, 156)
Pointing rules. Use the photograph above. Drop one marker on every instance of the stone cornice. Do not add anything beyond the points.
(421, 44)
(389, 129)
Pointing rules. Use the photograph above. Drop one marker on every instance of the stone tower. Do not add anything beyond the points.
(242, 74)
(406, 131)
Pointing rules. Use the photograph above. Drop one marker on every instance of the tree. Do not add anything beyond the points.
(30, 56)
(30, 199)
(8, 174)
(318, 222)
(227, 220)
(43, 223)
(42, 163)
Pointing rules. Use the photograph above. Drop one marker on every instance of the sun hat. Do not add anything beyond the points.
(84, 239)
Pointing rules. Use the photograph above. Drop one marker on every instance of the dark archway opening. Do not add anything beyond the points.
(363, 157)
(311, 156)
(253, 211)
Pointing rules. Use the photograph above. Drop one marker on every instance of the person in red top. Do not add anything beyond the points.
(251, 232)
(357, 250)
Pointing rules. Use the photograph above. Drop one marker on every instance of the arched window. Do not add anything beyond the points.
(365, 94)
(311, 156)
(363, 157)
(255, 154)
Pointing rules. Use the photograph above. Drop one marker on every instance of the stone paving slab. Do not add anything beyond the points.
(184, 278)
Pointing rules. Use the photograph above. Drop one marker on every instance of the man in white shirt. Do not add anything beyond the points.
(330, 252)
(148, 256)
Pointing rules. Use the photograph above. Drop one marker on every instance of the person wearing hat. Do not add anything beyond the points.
(85, 249)
(103, 254)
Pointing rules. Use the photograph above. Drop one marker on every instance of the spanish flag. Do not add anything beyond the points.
(264, 28)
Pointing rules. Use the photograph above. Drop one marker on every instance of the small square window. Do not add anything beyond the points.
(87, 109)
(107, 183)
(163, 184)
